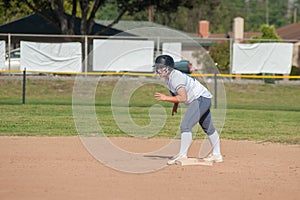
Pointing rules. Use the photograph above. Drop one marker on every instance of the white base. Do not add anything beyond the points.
(192, 161)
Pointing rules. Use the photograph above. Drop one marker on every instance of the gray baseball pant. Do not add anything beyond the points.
(198, 112)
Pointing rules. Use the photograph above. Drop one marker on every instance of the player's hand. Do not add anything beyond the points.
(174, 110)
(160, 96)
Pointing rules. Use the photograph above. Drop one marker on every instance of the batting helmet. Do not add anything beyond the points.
(165, 60)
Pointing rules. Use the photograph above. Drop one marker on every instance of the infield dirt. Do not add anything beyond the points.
(61, 168)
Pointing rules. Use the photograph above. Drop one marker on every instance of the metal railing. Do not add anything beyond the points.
(13, 41)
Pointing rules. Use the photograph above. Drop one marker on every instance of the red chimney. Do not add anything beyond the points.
(203, 27)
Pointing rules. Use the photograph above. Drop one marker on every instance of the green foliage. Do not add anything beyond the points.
(108, 11)
(221, 13)
(183, 15)
(295, 71)
(295, 12)
(11, 10)
(220, 53)
(268, 32)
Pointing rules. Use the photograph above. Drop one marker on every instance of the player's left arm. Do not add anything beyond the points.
(181, 96)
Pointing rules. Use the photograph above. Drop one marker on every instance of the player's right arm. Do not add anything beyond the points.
(181, 96)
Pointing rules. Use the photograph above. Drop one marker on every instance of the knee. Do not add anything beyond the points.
(185, 128)
(209, 130)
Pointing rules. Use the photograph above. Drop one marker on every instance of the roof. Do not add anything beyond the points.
(247, 35)
(129, 25)
(36, 24)
(290, 32)
(153, 30)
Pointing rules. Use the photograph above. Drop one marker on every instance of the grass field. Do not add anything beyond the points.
(261, 112)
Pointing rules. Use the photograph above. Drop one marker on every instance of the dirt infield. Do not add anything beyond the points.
(61, 168)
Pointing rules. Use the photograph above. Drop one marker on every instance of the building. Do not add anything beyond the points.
(292, 32)
(36, 24)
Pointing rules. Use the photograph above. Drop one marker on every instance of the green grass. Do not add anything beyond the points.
(36, 120)
(260, 112)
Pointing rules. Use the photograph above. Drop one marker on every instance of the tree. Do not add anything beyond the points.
(55, 11)
(183, 14)
(186, 17)
(12, 10)
(108, 11)
(220, 53)
(295, 16)
(268, 32)
(220, 14)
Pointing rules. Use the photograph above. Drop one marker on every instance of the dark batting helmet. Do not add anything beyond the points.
(164, 60)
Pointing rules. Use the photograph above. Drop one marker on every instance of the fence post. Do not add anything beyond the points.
(231, 56)
(157, 47)
(24, 87)
(86, 54)
(9, 50)
(216, 85)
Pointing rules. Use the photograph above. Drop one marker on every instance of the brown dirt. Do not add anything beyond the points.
(61, 168)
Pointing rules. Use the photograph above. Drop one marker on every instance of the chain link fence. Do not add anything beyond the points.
(219, 51)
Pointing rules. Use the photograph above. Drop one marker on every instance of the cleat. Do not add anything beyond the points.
(214, 158)
(176, 158)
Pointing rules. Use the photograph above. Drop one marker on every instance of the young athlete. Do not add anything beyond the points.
(186, 89)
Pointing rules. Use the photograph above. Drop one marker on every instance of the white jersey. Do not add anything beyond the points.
(192, 86)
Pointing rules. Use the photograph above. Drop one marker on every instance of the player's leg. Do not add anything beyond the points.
(213, 136)
(190, 118)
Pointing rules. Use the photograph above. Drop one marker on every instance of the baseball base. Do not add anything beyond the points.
(193, 161)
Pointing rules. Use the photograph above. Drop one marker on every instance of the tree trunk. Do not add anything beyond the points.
(91, 21)
(73, 17)
(84, 11)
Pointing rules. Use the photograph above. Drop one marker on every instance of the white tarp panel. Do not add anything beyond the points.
(2, 55)
(51, 57)
(262, 58)
(172, 49)
(123, 55)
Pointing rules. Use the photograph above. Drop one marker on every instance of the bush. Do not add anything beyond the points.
(220, 53)
(295, 71)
